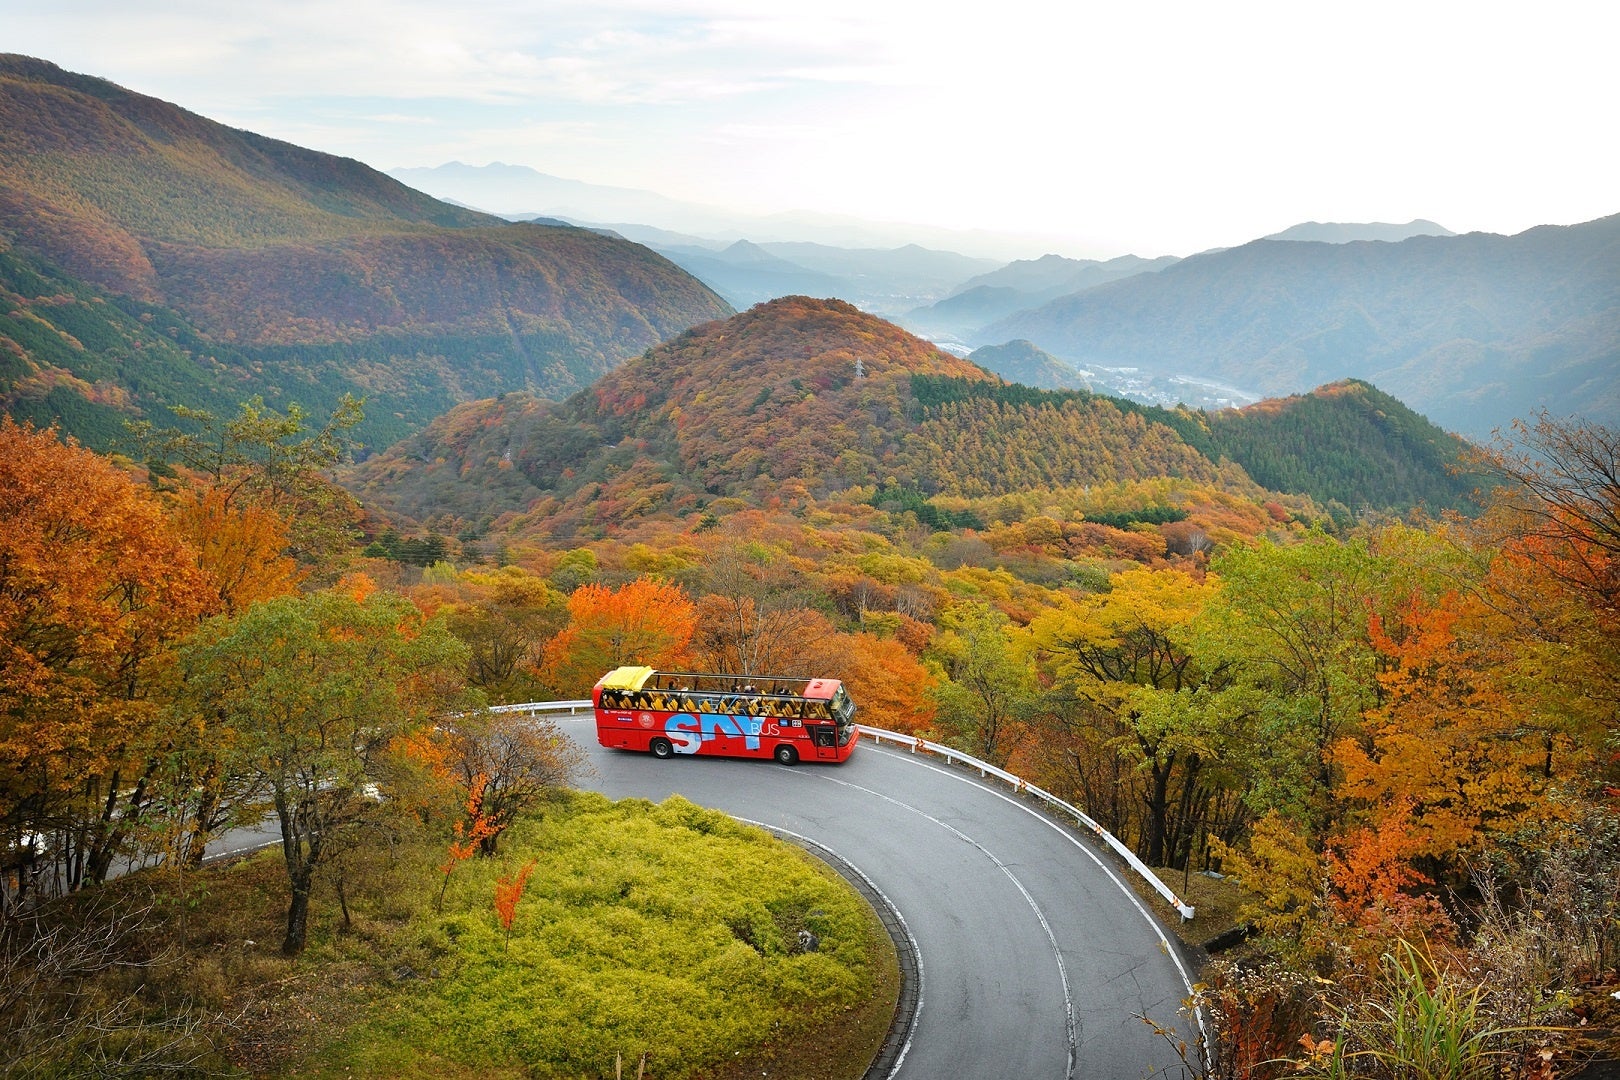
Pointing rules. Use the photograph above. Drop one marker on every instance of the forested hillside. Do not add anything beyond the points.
(300, 274)
(798, 399)
(1350, 443)
(793, 399)
(1024, 362)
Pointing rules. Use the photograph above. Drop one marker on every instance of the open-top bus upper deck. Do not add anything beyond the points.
(670, 712)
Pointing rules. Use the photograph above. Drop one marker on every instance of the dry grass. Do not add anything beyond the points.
(1215, 901)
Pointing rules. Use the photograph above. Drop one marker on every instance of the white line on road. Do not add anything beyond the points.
(1057, 954)
(916, 951)
(1175, 956)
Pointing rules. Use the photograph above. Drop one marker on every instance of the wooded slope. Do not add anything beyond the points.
(309, 269)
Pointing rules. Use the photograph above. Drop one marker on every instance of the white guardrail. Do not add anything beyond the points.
(951, 756)
(1020, 785)
(572, 708)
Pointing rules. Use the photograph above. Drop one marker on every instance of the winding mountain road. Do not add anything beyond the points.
(1037, 961)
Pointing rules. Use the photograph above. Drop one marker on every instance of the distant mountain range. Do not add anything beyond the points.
(885, 281)
(1473, 331)
(816, 397)
(151, 257)
(517, 191)
(280, 271)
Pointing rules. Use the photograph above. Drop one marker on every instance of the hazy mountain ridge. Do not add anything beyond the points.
(1055, 272)
(1345, 232)
(885, 281)
(1472, 331)
(298, 272)
(1019, 286)
(520, 191)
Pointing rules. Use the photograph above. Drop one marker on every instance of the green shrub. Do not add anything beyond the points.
(669, 930)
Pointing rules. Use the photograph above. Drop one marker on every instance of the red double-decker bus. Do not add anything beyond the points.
(675, 712)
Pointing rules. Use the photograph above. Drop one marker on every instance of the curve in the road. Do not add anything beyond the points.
(1046, 927)
(1040, 964)
(892, 1055)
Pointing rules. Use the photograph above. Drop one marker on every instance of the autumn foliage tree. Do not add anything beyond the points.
(756, 615)
(509, 764)
(989, 692)
(647, 622)
(1460, 744)
(891, 688)
(241, 547)
(505, 617)
(508, 891)
(318, 693)
(1124, 655)
(94, 591)
(272, 461)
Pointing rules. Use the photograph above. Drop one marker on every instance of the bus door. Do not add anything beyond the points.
(825, 736)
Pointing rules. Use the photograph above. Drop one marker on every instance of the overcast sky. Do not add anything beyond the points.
(1135, 126)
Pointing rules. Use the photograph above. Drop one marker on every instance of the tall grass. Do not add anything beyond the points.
(1419, 1024)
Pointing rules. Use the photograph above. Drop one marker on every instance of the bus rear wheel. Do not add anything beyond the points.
(661, 748)
(786, 755)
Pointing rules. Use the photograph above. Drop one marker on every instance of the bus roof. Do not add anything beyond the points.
(821, 688)
(625, 678)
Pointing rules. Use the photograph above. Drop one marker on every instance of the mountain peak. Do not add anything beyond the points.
(1339, 232)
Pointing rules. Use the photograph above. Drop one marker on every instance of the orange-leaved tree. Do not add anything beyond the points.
(510, 765)
(1459, 743)
(93, 592)
(647, 621)
(1377, 891)
(240, 546)
(468, 835)
(890, 686)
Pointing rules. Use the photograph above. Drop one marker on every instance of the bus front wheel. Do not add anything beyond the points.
(786, 755)
(661, 748)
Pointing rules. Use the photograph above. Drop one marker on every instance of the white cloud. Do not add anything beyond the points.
(1162, 127)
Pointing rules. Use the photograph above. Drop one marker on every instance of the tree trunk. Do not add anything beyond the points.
(207, 804)
(297, 916)
(1157, 800)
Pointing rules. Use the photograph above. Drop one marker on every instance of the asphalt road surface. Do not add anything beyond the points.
(1037, 962)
